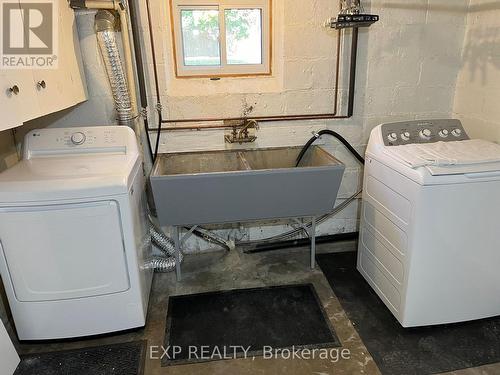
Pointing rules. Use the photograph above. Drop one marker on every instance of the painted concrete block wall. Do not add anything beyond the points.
(477, 100)
(407, 68)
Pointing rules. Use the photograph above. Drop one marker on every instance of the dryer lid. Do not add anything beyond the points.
(67, 178)
(55, 168)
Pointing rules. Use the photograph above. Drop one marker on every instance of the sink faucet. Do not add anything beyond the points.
(244, 134)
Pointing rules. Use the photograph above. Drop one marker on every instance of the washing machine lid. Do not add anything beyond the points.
(466, 155)
(450, 158)
(55, 168)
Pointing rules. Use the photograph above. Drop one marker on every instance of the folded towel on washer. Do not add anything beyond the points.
(475, 151)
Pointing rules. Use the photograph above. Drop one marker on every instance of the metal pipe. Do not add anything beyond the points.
(153, 51)
(321, 116)
(127, 51)
(352, 77)
(139, 60)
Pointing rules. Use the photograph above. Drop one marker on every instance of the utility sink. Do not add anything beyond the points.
(244, 185)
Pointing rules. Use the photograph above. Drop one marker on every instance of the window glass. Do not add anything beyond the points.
(243, 36)
(200, 37)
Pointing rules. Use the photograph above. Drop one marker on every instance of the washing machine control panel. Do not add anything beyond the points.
(96, 139)
(423, 131)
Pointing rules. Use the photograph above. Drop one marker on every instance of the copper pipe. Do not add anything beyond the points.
(321, 116)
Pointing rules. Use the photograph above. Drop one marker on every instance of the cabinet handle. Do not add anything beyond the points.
(14, 90)
(41, 84)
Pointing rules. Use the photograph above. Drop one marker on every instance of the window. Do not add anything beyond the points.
(216, 38)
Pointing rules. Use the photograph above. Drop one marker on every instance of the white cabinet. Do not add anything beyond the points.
(18, 100)
(26, 94)
(8, 355)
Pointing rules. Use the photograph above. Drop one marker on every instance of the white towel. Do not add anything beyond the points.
(468, 152)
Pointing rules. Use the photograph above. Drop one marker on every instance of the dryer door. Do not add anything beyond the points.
(59, 252)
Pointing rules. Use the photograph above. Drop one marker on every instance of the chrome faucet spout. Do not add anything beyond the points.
(242, 133)
(248, 124)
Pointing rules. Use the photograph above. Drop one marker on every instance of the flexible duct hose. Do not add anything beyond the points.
(105, 24)
(165, 245)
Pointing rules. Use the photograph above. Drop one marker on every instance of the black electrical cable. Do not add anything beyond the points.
(333, 134)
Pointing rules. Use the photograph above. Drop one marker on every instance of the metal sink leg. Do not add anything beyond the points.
(177, 243)
(312, 237)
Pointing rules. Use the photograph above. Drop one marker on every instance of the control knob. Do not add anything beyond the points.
(392, 137)
(425, 134)
(405, 136)
(444, 133)
(456, 132)
(78, 138)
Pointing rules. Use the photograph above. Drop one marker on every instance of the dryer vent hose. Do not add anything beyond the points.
(105, 27)
(166, 245)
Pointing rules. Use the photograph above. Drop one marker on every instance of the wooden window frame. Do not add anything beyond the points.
(224, 70)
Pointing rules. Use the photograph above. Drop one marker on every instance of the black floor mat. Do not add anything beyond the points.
(118, 359)
(396, 350)
(214, 326)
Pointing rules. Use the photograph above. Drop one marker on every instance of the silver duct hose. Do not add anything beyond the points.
(105, 27)
(167, 246)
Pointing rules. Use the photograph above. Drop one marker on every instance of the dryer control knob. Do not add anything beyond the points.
(456, 132)
(444, 133)
(405, 136)
(78, 138)
(425, 134)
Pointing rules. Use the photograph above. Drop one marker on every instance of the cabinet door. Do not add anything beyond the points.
(69, 49)
(18, 100)
(49, 84)
(62, 87)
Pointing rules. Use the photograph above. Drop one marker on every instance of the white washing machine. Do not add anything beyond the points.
(74, 234)
(429, 239)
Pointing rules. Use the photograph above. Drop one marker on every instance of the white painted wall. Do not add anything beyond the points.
(407, 68)
(477, 100)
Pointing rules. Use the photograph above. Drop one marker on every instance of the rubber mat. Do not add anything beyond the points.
(397, 350)
(119, 359)
(245, 322)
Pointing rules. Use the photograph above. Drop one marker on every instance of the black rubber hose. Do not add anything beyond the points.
(158, 136)
(333, 134)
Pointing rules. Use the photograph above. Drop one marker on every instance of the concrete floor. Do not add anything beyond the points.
(223, 271)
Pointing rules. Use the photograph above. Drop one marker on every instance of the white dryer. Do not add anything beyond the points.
(74, 234)
(429, 238)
